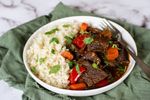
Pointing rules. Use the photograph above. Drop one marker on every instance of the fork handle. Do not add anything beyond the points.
(143, 66)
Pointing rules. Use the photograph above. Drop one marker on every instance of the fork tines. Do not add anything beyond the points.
(108, 24)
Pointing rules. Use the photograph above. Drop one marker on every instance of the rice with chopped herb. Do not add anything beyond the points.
(44, 55)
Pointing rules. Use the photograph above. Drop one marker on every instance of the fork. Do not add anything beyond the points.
(143, 66)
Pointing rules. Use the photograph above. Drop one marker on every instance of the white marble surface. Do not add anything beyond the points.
(16, 12)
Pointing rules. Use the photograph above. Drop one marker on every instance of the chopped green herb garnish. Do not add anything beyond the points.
(54, 69)
(121, 68)
(66, 25)
(52, 31)
(42, 60)
(110, 42)
(88, 40)
(84, 32)
(114, 46)
(54, 39)
(33, 69)
(53, 51)
(72, 47)
(94, 65)
(71, 64)
(68, 39)
(71, 35)
(77, 68)
(106, 62)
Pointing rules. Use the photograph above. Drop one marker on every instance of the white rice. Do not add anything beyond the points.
(41, 48)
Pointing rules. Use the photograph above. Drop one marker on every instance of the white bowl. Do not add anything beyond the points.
(95, 21)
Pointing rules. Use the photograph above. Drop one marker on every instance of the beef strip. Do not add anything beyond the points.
(94, 30)
(92, 75)
(91, 56)
(98, 46)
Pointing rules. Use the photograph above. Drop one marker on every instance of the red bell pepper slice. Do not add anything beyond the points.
(102, 83)
(74, 75)
(79, 40)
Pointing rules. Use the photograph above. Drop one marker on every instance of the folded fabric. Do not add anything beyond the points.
(12, 69)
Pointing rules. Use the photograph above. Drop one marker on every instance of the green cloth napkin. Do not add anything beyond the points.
(12, 69)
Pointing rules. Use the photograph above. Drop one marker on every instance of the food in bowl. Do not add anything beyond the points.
(77, 56)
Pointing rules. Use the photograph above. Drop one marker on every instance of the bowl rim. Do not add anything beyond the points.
(77, 92)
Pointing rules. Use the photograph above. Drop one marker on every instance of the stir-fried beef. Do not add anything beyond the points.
(98, 58)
